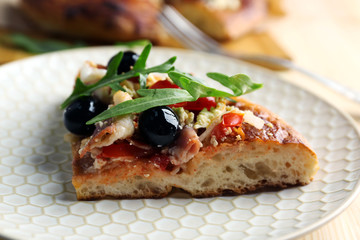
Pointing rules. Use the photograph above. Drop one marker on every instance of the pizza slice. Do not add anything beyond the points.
(224, 19)
(139, 132)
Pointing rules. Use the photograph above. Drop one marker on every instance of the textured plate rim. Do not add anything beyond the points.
(301, 232)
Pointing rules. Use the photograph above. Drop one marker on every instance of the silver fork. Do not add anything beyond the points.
(193, 38)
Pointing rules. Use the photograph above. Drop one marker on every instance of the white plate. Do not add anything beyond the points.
(37, 199)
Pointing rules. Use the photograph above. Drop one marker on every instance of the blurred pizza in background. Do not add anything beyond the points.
(38, 26)
(124, 20)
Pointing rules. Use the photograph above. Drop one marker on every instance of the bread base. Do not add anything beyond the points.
(236, 168)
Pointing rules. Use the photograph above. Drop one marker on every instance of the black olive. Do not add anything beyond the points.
(129, 59)
(79, 112)
(159, 125)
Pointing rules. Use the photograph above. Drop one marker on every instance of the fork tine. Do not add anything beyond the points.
(191, 31)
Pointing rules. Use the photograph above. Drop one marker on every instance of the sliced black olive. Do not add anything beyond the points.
(129, 59)
(79, 112)
(159, 125)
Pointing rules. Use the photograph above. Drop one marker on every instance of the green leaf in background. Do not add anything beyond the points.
(136, 43)
(33, 45)
(151, 98)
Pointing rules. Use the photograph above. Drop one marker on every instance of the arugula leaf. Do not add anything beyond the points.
(162, 68)
(151, 98)
(141, 62)
(116, 87)
(113, 65)
(240, 83)
(192, 87)
(79, 86)
(109, 79)
(81, 89)
(112, 71)
(195, 87)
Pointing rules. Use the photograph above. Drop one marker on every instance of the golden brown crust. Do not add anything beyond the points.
(109, 20)
(125, 20)
(223, 24)
(146, 174)
(275, 129)
(279, 159)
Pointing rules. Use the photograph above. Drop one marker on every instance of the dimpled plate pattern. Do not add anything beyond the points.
(37, 199)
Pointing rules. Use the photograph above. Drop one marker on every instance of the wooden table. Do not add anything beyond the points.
(322, 36)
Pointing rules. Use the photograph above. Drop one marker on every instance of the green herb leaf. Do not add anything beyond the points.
(131, 44)
(151, 98)
(240, 84)
(86, 90)
(33, 45)
(112, 67)
(112, 71)
(192, 87)
(141, 62)
(116, 87)
(195, 87)
(110, 80)
(80, 90)
(162, 68)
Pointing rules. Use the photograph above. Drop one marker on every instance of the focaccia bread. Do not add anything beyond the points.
(124, 20)
(207, 146)
(275, 156)
(223, 19)
(110, 20)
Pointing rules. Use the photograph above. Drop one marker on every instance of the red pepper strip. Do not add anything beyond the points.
(228, 120)
(201, 103)
(198, 105)
(123, 149)
(232, 119)
(163, 84)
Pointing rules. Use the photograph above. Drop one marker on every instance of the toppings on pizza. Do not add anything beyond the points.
(137, 121)
(159, 126)
(174, 125)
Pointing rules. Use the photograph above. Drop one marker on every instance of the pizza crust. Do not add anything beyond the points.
(274, 156)
(126, 20)
(223, 23)
(98, 20)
